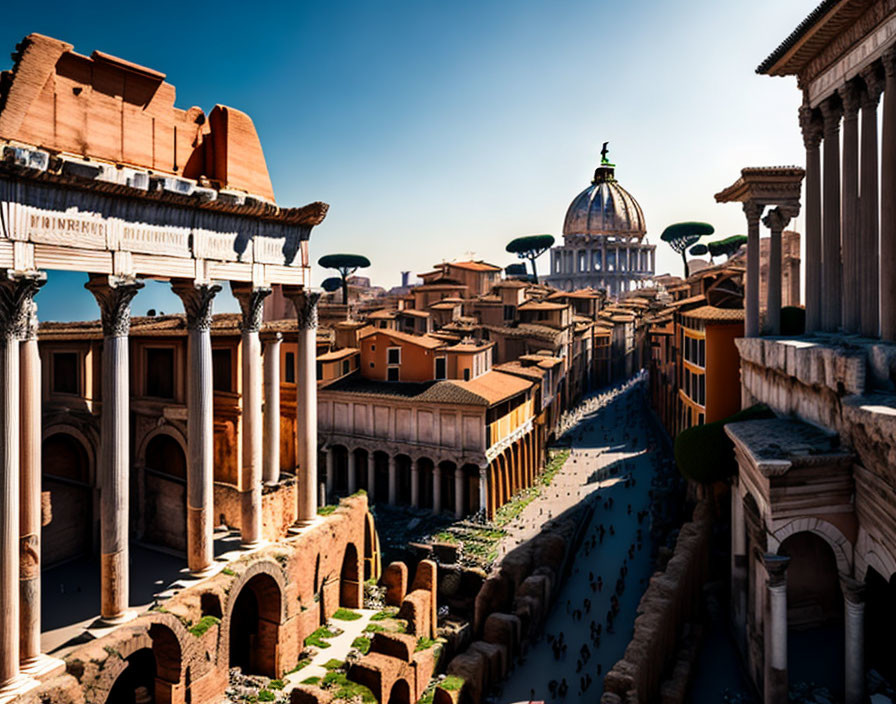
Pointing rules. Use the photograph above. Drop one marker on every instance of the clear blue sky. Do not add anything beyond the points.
(435, 129)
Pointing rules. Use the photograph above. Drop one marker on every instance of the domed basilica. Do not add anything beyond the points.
(604, 244)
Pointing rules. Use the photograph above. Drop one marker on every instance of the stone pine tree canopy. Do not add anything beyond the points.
(727, 246)
(346, 265)
(682, 235)
(698, 250)
(531, 247)
(333, 283)
(705, 454)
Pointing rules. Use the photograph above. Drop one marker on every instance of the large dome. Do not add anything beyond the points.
(604, 209)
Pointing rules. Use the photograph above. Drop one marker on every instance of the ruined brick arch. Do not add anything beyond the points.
(351, 587)
(400, 692)
(258, 616)
(371, 552)
(842, 548)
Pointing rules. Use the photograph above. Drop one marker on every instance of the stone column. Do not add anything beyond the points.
(459, 492)
(393, 482)
(328, 468)
(271, 470)
(16, 294)
(831, 290)
(197, 299)
(352, 472)
(776, 220)
(738, 567)
(854, 633)
(371, 477)
(812, 132)
(753, 212)
(888, 203)
(114, 295)
(776, 630)
(850, 95)
(483, 488)
(251, 300)
(436, 488)
(305, 302)
(415, 484)
(869, 249)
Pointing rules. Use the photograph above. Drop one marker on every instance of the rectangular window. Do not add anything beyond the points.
(221, 370)
(441, 367)
(290, 371)
(467, 374)
(393, 355)
(320, 371)
(509, 312)
(346, 367)
(392, 374)
(160, 373)
(65, 373)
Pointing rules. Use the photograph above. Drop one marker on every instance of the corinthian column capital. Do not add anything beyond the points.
(17, 291)
(251, 300)
(831, 112)
(874, 86)
(305, 302)
(753, 211)
(811, 127)
(851, 97)
(197, 299)
(776, 567)
(114, 294)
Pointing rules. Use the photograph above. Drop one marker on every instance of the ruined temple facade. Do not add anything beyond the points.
(102, 174)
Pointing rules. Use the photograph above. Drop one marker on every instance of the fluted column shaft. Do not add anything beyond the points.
(888, 205)
(459, 492)
(831, 274)
(197, 299)
(854, 634)
(851, 316)
(371, 477)
(415, 485)
(812, 133)
(483, 489)
(305, 302)
(271, 470)
(114, 295)
(16, 295)
(436, 488)
(352, 472)
(776, 630)
(869, 251)
(753, 212)
(251, 302)
(393, 482)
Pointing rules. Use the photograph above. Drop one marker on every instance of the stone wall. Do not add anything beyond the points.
(670, 603)
(278, 507)
(297, 584)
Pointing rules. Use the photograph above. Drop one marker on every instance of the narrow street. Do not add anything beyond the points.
(615, 456)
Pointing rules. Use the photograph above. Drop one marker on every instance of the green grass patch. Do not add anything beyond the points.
(423, 643)
(317, 637)
(201, 627)
(445, 537)
(553, 466)
(325, 510)
(343, 688)
(374, 628)
(362, 643)
(452, 683)
(333, 664)
(266, 695)
(310, 680)
(229, 572)
(388, 612)
(276, 684)
(299, 665)
(346, 615)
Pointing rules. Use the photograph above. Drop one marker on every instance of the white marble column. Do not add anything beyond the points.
(328, 470)
(753, 212)
(251, 300)
(305, 302)
(483, 489)
(831, 289)
(812, 133)
(415, 484)
(371, 477)
(271, 470)
(16, 294)
(459, 492)
(114, 295)
(352, 472)
(869, 249)
(888, 203)
(197, 299)
(854, 634)
(776, 630)
(850, 95)
(393, 482)
(436, 488)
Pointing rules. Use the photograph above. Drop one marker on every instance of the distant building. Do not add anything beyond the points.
(603, 240)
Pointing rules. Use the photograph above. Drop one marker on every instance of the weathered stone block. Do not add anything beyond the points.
(395, 579)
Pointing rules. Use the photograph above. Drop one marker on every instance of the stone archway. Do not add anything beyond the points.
(156, 668)
(447, 485)
(339, 454)
(65, 474)
(351, 593)
(165, 492)
(400, 692)
(255, 627)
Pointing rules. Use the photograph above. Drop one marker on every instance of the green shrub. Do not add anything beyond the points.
(311, 680)
(388, 612)
(317, 638)
(362, 643)
(325, 510)
(333, 664)
(374, 628)
(202, 626)
(705, 454)
(346, 615)
(229, 572)
(266, 695)
(276, 684)
(452, 683)
(423, 643)
(343, 688)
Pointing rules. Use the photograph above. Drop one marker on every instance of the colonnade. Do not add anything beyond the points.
(850, 258)
(20, 441)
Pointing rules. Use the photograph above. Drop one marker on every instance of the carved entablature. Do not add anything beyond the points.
(762, 186)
